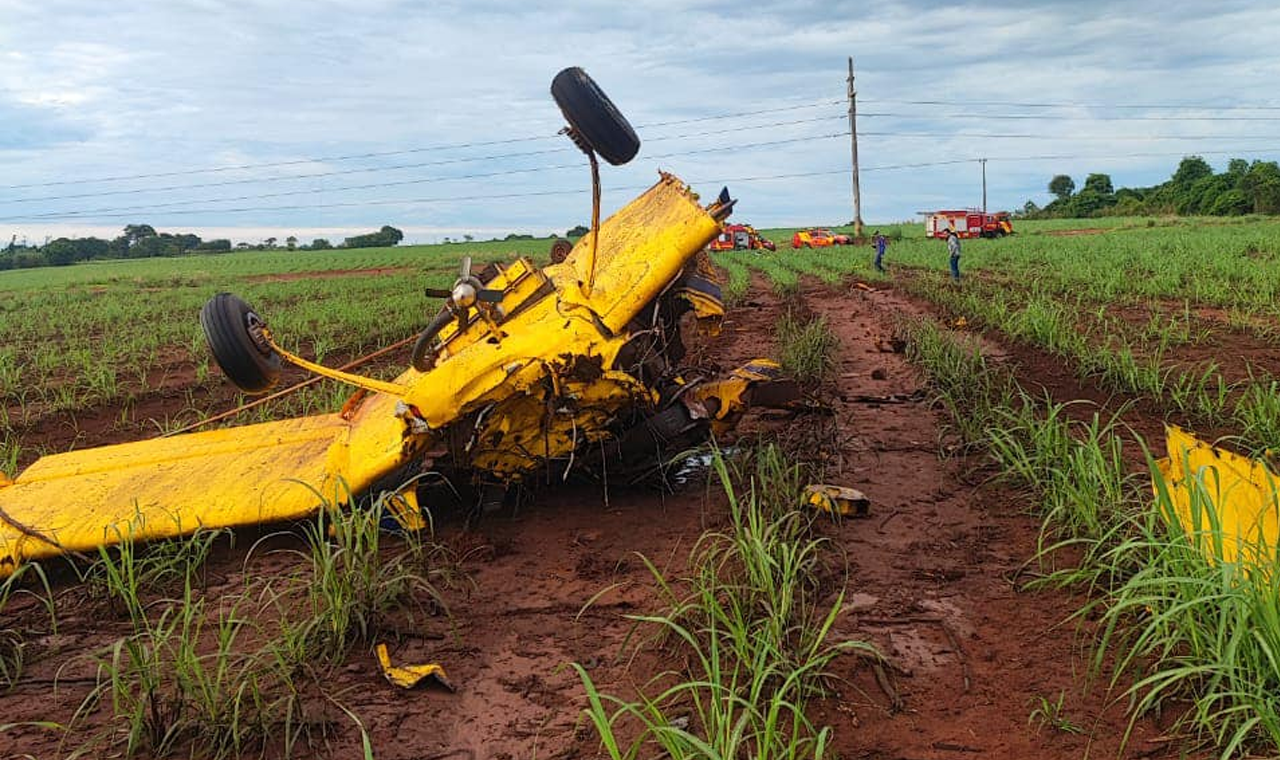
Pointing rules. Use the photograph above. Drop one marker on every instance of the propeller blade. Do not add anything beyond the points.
(438, 293)
(489, 296)
(465, 271)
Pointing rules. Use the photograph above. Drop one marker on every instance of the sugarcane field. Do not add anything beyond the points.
(371, 398)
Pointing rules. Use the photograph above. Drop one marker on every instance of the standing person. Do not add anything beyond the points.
(953, 248)
(881, 244)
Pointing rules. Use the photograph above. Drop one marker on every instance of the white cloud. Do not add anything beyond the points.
(144, 87)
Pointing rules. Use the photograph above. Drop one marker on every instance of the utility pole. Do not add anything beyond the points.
(853, 137)
(983, 161)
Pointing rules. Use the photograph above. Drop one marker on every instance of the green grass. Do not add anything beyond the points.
(30, 579)
(747, 620)
(807, 348)
(1182, 631)
(356, 581)
(1191, 633)
(247, 669)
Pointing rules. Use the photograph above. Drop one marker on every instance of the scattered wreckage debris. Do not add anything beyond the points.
(837, 500)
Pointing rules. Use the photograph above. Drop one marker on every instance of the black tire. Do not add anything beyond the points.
(594, 117)
(229, 325)
(424, 348)
(560, 250)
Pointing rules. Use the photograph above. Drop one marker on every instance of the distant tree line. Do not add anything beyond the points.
(1194, 189)
(141, 241)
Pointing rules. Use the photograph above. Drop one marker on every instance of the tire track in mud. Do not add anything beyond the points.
(933, 580)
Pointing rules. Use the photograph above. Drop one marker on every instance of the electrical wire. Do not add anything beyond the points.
(148, 208)
(402, 152)
(1061, 117)
(1066, 138)
(398, 167)
(1066, 104)
(632, 188)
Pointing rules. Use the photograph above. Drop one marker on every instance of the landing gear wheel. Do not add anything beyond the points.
(424, 349)
(597, 124)
(560, 250)
(234, 333)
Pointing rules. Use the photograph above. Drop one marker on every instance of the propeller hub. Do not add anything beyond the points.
(464, 295)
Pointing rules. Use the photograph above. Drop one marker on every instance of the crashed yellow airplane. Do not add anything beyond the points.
(577, 362)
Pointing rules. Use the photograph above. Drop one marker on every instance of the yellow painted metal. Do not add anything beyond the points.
(642, 248)
(539, 385)
(731, 392)
(76, 501)
(837, 500)
(360, 381)
(1226, 501)
(409, 676)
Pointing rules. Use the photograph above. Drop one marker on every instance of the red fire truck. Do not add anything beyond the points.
(967, 223)
(741, 237)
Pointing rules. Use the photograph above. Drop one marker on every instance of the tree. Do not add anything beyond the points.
(1062, 186)
(269, 242)
(387, 236)
(468, 238)
(135, 232)
(60, 252)
(578, 231)
(1099, 183)
(1231, 203)
(291, 243)
(1262, 187)
(320, 244)
(1191, 169)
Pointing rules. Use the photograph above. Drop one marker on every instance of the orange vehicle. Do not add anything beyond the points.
(741, 237)
(818, 238)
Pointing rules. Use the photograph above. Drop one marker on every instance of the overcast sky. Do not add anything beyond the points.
(92, 90)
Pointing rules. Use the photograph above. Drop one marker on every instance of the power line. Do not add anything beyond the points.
(149, 207)
(484, 175)
(740, 114)
(1065, 104)
(398, 167)
(456, 198)
(1032, 136)
(402, 152)
(1061, 117)
(722, 180)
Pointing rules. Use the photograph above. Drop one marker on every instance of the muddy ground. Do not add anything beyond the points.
(933, 579)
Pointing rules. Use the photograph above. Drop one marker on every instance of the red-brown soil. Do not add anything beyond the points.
(932, 581)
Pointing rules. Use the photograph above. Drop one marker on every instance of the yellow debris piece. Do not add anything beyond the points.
(1217, 492)
(403, 507)
(837, 500)
(409, 676)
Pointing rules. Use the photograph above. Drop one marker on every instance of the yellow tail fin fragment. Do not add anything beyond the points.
(1218, 494)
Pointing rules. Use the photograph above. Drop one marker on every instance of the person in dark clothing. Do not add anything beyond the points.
(881, 244)
(953, 248)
